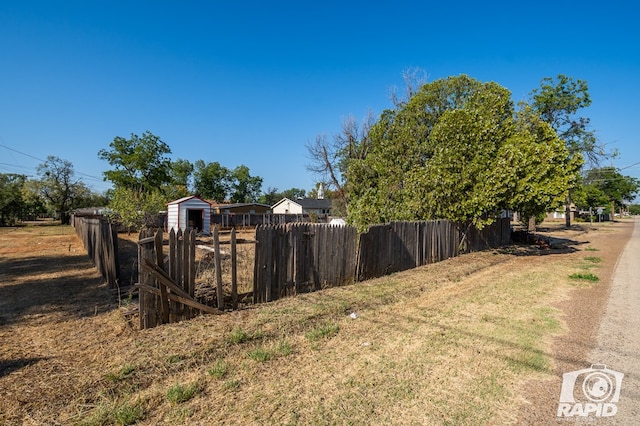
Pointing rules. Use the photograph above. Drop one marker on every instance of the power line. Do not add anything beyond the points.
(19, 152)
(44, 161)
(627, 167)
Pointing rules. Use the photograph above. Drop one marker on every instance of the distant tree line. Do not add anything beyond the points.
(455, 148)
(55, 193)
(144, 179)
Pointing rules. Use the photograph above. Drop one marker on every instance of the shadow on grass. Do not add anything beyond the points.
(128, 258)
(34, 286)
(538, 244)
(9, 366)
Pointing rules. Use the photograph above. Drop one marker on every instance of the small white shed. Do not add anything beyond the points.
(189, 213)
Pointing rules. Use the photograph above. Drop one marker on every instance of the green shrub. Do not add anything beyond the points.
(179, 393)
(585, 277)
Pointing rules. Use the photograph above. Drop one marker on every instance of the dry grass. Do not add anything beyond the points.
(205, 271)
(448, 343)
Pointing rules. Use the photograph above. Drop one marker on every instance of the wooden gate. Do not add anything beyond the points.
(167, 283)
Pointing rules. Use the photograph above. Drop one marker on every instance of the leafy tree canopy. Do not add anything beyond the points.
(244, 187)
(134, 209)
(12, 204)
(211, 180)
(558, 101)
(140, 163)
(456, 150)
(181, 173)
(58, 186)
(606, 185)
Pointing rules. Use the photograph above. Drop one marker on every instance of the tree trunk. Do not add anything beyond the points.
(567, 212)
(532, 224)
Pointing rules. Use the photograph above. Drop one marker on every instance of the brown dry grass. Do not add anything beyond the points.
(448, 343)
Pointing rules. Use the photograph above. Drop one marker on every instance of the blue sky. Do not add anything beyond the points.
(251, 82)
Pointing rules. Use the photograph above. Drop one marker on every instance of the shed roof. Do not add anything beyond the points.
(191, 197)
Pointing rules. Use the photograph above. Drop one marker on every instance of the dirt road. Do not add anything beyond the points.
(618, 340)
(601, 327)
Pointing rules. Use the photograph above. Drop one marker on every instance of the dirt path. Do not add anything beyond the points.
(618, 341)
(602, 323)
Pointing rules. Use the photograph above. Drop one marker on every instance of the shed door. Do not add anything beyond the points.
(195, 218)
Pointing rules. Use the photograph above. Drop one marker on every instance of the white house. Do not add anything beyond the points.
(189, 213)
(320, 207)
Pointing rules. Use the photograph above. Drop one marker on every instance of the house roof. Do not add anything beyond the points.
(307, 203)
(314, 203)
(282, 201)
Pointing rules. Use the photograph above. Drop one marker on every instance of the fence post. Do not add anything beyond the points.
(164, 299)
(234, 271)
(218, 265)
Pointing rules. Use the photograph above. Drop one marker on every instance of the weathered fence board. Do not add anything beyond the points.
(302, 257)
(101, 242)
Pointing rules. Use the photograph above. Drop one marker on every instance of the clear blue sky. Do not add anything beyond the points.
(251, 82)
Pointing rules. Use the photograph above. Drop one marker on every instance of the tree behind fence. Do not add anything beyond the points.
(295, 258)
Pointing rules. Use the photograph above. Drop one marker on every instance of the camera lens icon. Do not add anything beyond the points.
(598, 386)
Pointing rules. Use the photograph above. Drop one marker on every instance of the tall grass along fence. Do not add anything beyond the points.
(297, 258)
(101, 242)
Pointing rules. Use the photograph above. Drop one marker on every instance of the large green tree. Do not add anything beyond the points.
(181, 174)
(211, 180)
(455, 150)
(558, 101)
(140, 162)
(606, 186)
(142, 177)
(244, 187)
(539, 166)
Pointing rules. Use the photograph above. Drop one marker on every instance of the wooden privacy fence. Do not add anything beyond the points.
(399, 246)
(101, 242)
(295, 258)
(302, 257)
(246, 220)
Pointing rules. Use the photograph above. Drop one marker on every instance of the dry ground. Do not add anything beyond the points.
(478, 339)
